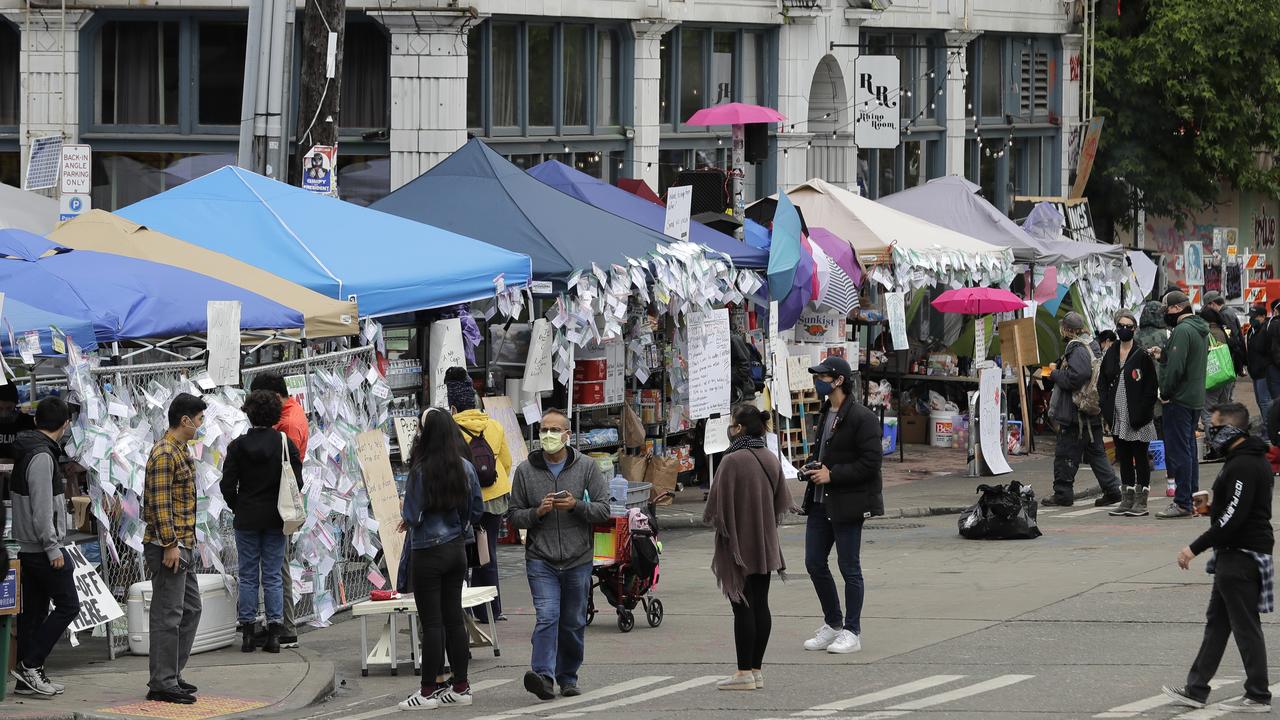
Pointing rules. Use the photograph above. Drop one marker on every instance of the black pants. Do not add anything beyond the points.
(438, 573)
(1081, 444)
(1233, 610)
(1135, 465)
(487, 575)
(38, 628)
(752, 623)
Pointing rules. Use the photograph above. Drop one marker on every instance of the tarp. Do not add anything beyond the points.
(128, 299)
(594, 191)
(641, 189)
(103, 232)
(388, 264)
(18, 318)
(953, 202)
(478, 193)
(27, 210)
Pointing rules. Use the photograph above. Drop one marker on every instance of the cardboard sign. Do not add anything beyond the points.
(824, 328)
(11, 590)
(1018, 346)
(380, 483)
(97, 605)
(224, 341)
(445, 351)
(679, 202)
(406, 432)
(1088, 151)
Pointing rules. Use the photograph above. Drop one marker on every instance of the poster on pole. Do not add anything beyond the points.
(499, 408)
(380, 483)
(1193, 262)
(224, 341)
(538, 373)
(877, 116)
(679, 205)
(989, 420)
(894, 304)
(97, 606)
(444, 352)
(318, 169)
(708, 366)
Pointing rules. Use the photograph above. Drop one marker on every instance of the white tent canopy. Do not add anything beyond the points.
(27, 210)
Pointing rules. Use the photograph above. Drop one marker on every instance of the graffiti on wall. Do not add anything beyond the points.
(1264, 228)
(1169, 240)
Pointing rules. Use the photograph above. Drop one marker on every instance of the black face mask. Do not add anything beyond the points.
(1124, 333)
(1171, 318)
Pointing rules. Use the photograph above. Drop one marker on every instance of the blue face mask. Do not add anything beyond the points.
(823, 387)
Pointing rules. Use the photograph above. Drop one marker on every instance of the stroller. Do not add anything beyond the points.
(629, 580)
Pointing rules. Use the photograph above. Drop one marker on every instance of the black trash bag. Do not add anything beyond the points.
(973, 522)
(1001, 513)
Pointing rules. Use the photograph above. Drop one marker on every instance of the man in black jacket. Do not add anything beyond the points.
(1273, 349)
(1258, 354)
(1243, 572)
(1079, 435)
(843, 490)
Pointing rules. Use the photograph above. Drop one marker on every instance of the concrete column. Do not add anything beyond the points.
(428, 89)
(958, 111)
(49, 64)
(1074, 122)
(647, 100)
(799, 51)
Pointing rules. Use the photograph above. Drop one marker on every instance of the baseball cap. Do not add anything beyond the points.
(832, 366)
(1177, 297)
(1073, 321)
(1213, 296)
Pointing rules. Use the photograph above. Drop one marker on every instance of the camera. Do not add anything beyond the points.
(808, 468)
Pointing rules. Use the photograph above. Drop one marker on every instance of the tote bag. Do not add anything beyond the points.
(1220, 368)
(289, 499)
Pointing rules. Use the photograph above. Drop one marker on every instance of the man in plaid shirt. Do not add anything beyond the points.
(169, 510)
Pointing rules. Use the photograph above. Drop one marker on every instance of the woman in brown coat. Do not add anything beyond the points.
(747, 500)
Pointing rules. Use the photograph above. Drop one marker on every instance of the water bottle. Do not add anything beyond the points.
(618, 496)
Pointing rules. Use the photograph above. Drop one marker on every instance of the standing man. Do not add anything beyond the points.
(557, 495)
(1182, 392)
(1273, 346)
(39, 526)
(1258, 349)
(293, 423)
(169, 510)
(1242, 566)
(1079, 433)
(843, 489)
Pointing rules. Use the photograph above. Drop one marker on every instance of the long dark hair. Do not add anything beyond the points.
(436, 462)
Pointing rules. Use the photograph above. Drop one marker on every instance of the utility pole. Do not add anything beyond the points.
(320, 85)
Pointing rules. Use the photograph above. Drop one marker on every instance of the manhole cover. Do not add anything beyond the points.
(892, 526)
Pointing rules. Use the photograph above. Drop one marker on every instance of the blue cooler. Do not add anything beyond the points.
(1155, 451)
(889, 440)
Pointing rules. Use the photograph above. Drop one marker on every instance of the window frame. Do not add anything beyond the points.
(12, 130)
(354, 133)
(671, 112)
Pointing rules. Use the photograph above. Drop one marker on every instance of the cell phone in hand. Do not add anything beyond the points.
(560, 495)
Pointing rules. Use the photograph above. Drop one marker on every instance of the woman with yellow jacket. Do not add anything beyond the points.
(492, 461)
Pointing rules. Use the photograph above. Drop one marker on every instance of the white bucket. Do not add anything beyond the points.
(941, 429)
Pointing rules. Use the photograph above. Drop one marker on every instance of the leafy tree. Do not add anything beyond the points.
(1189, 89)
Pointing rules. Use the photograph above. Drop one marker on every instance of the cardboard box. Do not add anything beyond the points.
(80, 506)
(913, 429)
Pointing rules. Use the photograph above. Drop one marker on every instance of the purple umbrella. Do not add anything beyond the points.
(838, 250)
(801, 294)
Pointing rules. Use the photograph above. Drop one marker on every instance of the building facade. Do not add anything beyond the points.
(989, 88)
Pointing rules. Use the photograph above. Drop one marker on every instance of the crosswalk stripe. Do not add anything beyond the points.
(879, 695)
(475, 687)
(642, 697)
(1138, 707)
(606, 691)
(1213, 711)
(964, 692)
(1089, 511)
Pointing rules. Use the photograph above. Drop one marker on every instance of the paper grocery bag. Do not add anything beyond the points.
(634, 467)
(661, 474)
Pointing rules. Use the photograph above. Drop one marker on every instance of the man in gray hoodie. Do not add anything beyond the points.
(557, 495)
(39, 526)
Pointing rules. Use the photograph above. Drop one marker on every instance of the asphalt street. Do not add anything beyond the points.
(1087, 621)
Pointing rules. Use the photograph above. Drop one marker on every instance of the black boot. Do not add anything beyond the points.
(246, 644)
(273, 638)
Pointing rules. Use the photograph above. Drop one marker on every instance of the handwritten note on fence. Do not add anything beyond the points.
(537, 367)
(709, 364)
(375, 464)
(445, 352)
(224, 341)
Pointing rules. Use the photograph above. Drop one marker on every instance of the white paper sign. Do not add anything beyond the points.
(780, 385)
(538, 372)
(877, 115)
(894, 304)
(979, 339)
(708, 364)
(679, 202)
(989, 420)
(1193, 262)
(29, 346)
(224, 341)
(97, 606)
(715, 434)
(446, 351)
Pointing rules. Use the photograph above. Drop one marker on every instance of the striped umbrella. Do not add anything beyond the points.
(840, 293)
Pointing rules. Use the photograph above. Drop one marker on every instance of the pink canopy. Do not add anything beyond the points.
(735, 114)
(978, 301)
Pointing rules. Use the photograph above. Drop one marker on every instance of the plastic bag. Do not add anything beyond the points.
(938, 403)
(1001, 513)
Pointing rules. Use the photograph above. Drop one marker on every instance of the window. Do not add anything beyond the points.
(576, 66)
(541, 75)
(11, 168)
(667, 65)
(752, 83)
(693, 68)
(1033, 85)
(138, 73)
(712, 67)
(723, 58)
(123, 178)
(475, 78)
(608, 78)
(222, 47)
(366, 77)
(10, 99)
(506, 72)
(992, 76)
(364, 179)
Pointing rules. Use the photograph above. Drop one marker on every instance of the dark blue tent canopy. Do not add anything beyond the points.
(601, 194)
(476, 192)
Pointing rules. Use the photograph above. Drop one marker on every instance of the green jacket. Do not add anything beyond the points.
(1184, 360)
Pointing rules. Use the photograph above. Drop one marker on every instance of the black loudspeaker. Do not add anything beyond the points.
(756, 149)
(708, 190)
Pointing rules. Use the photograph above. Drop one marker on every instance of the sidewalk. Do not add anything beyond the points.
(232, 684)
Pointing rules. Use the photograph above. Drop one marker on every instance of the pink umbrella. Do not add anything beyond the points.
(978, 301)
(735, 114)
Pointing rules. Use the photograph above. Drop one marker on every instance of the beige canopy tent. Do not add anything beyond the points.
(103, 232)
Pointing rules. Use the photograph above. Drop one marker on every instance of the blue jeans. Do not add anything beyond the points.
(559, 637)
(1262, 392)
(1180, 451)
(820, 534)
(260, 551)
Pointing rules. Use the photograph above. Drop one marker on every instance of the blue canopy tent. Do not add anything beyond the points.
(609, 198)
(477, 192)
(388, 264)
(19, 318)
(127, 299)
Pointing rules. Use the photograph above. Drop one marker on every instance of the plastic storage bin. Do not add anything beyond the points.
(217, 628)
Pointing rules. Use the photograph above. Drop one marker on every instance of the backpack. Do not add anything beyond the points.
(1086, 398)
(482, 458)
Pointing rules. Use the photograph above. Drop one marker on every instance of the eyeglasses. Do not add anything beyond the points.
(1126, 325)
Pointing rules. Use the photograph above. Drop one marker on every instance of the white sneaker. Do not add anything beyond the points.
(418, 701)
(1244, 705)
(846, 642)
(453, 698)
(32, 679)
(822, 639)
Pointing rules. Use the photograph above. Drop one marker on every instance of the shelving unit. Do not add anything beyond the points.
(795, 434)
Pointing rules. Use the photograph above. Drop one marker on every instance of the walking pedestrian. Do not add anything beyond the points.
(251, 488)
(293, 423)
(1079, 432)
(1182, 393)
(492, 461)
(1258, 350)
(843, 490)
(1127, 389)
(169, 511)
(745, 506)
(1243, 570)
(441, 504)
(557, 495)
(1231, 328)
(40, 528)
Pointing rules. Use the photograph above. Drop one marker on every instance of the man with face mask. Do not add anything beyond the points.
(1182, 392)
(557, 495)
(1079, 435)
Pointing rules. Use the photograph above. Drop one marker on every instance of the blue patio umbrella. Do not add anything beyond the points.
(126, 298)
(784, 248)
(20, 318)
